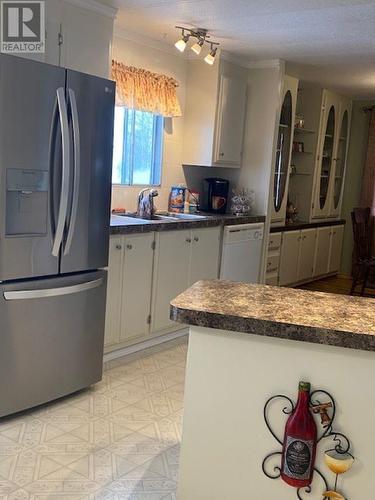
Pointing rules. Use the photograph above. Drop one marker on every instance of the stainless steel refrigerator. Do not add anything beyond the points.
(56, 132)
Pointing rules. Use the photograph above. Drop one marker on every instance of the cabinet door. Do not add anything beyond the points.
(290, 247)
(323, 244)
(114, 290)
(341, 151)
(307, 254)
(336, 248)
(53, 12)
(137, 285)
(284, 149)
(205, 250)
(326, 153)
(230, 120)
(172, 265)
(87, 40)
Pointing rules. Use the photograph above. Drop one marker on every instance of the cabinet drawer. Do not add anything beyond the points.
(272, 279)
(274, 241)
(272, 263)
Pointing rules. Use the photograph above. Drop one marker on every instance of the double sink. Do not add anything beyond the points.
(162, 217)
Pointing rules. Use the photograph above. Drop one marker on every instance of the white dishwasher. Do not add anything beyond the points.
(241, 258)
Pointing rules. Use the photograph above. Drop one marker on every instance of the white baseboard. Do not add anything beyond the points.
(125, 351)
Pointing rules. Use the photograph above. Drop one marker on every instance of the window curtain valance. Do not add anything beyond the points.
(143, 90)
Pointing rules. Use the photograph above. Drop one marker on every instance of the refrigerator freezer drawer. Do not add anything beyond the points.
(51, 334)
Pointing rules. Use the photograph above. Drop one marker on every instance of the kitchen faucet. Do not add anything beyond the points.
(145, 205)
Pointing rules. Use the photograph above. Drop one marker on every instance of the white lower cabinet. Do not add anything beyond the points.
(136, 286)
(205, 253)
(182, 258)
(297, 256)
(323, 243)
(129, 287)
(171, 276)
(306, 254)
(146, 271)
(309, 254)
(289, 258)
(337, 236)
(114, 291)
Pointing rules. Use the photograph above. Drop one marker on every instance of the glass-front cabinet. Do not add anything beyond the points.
(326, 156)
(341, 151)
(283, 150)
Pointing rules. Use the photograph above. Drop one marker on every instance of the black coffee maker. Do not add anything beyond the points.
(215, 195)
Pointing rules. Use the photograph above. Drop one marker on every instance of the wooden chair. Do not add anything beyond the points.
(364, 261)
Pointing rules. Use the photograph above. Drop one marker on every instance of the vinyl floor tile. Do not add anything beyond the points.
(118, 440)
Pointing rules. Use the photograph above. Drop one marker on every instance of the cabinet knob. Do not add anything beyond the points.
(129, 247)
(188, 240)
(196, 238)
(221, 154)
(118, 247)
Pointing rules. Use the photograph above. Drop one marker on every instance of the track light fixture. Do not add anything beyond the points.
(201, 35)
(210, 57)
(197, 47)
(181, 44)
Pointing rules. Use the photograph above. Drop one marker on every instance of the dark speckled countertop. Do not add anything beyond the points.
(287, 313)
(126, 225)
(295, 226)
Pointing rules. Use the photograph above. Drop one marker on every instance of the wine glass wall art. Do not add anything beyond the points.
(295, 462)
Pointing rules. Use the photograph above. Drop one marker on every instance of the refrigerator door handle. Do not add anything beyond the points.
(52, 292)
(64, 192)
(77, 169)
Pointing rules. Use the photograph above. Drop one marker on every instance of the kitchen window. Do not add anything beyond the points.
(137, 147)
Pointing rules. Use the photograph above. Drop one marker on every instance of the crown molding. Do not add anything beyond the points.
(265, 63)
(95, 6)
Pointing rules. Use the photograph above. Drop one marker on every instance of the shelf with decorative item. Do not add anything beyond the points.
(301, 130)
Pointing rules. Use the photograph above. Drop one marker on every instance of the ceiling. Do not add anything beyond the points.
(327, 41)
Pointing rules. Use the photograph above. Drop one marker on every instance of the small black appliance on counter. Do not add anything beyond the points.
(215, 195)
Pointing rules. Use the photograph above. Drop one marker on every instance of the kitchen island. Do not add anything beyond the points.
(249, 343)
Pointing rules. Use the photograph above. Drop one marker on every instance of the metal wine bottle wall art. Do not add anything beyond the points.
(295, 463)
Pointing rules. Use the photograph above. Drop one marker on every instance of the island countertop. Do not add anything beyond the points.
(287, 313)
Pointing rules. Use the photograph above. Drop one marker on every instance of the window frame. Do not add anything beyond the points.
(127, 175)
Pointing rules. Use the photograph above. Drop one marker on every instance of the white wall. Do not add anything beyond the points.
(133, 53)
(262, 110)
(229, 378)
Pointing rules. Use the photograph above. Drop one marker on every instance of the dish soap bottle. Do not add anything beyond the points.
(300, 438)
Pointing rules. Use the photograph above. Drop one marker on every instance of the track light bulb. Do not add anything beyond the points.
(210, 58)
(197, 47)
(181, 44)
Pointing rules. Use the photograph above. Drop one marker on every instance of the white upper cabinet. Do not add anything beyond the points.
(86, 40)
(341, 151)
(215, 113)
(230, 120)
(284, 150)
(79, 36)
